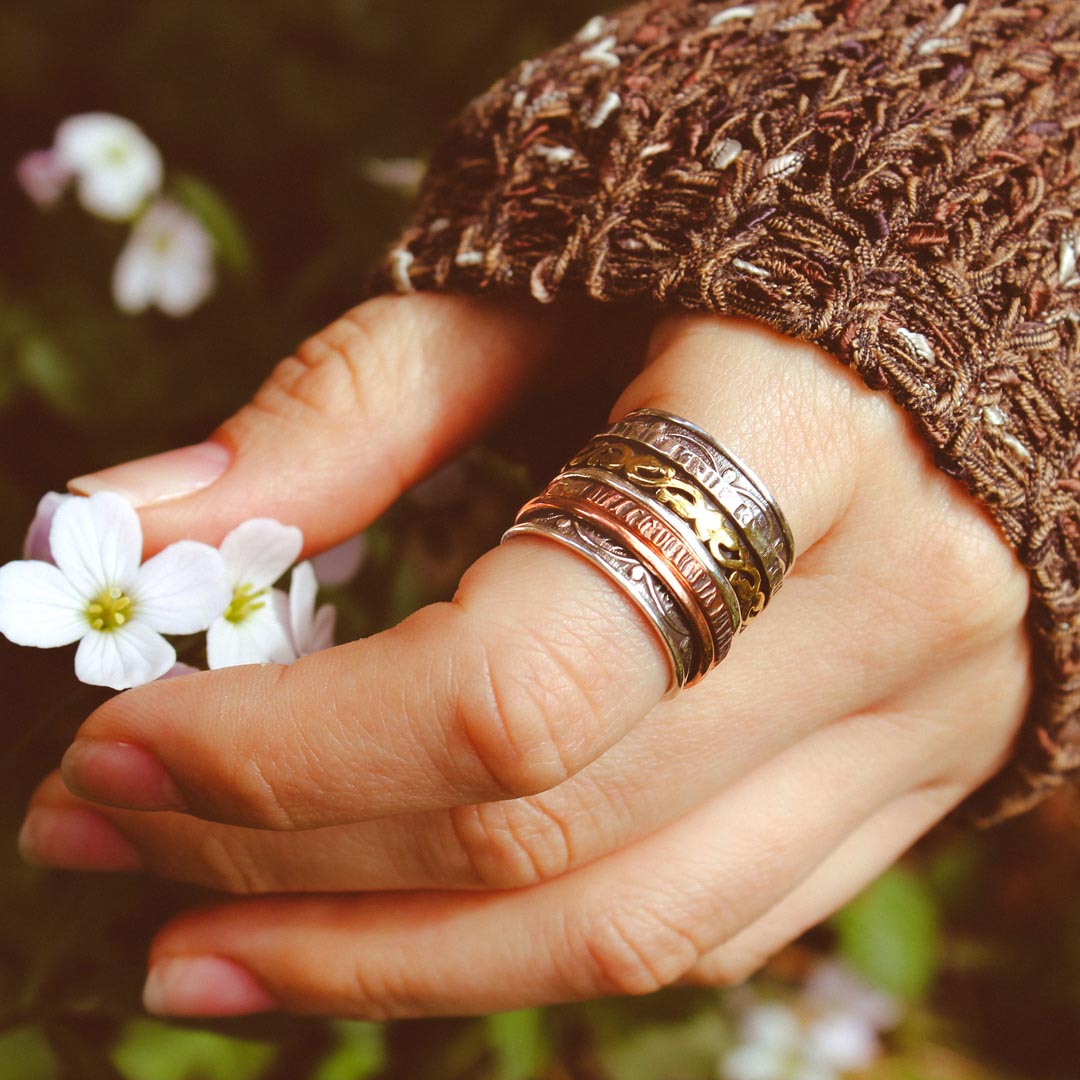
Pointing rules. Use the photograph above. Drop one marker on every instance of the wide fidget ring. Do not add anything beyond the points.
(689, 534)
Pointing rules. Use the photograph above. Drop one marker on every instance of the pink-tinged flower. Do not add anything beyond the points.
(117, 168)
(36, 544)
(341, 564)
(249, 628)
(178, 671)
(310, 630)
(98, 594)
(44, 176)
(832, 986)
(167, 262)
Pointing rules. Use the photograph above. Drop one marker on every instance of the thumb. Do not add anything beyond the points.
(339, 430)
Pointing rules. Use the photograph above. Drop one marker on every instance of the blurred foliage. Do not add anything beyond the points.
(267, 114)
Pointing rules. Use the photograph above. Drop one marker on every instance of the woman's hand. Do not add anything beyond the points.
(492, 799)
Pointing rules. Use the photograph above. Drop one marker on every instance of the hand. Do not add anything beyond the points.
(492, 799)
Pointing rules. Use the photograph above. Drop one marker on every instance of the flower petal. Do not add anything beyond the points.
(322, 632)
(259, 551)
(39, 606)
(258, 639)
(183, 287)
(43, 176)
(97, 542)
(182, 589)
(843, 1040)
(753, 1061)
(303, 589)
(116, 194)
(36, 544)
(134, 280)
(831, 985)
(131, 656)
(341, 564)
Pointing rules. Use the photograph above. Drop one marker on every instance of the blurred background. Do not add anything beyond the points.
(293, 135)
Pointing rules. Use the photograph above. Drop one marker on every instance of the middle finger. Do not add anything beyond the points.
(727, 728)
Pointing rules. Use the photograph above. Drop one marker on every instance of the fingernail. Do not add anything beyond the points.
(75, 838)
(158, 479)
(204, 986)
(119, 774)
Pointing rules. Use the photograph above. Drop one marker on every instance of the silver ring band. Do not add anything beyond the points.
(733, 486)
(640, 585)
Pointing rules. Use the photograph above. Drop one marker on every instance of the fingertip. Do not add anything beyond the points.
(204, 986)
(120, 774)
(162, 478)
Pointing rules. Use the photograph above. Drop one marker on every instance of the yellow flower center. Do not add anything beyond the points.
(117, 153)
(109, 611)
(245, 601)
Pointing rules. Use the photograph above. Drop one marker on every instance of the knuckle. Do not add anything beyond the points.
(381, 999)
(631, 952)
(517, 709)
(512, 845)
(275, 787)
(265, 801)
(982, 594)
(340, 371)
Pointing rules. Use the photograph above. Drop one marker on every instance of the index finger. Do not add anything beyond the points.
(537, 667)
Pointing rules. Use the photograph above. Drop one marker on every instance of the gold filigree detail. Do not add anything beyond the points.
(711, 526)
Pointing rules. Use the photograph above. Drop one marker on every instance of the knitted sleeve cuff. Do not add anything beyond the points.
(895, 180)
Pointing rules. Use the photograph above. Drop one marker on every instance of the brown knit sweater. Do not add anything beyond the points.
(896, 180)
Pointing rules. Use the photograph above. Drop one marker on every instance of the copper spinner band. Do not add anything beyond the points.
(661, 547)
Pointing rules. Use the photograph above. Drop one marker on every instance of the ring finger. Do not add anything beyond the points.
(628, 924)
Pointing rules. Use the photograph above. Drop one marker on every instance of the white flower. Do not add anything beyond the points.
(249, 628)
(167, 262)
(116, 166)
(830, 1031)
(339, 565)
(43, 176)
(310, 631)
(99, 595)
(36, 544)
(843, 1040)
(773, 1047)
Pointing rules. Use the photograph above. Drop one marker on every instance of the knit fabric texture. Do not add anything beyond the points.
(895, 180)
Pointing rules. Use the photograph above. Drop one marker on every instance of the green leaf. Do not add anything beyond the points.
(891, 934)
(359, 1054)
(25, 1054)
(148, 1050)
(219, 218)
(520, 1043)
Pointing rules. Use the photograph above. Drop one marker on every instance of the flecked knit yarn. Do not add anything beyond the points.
(895, 180)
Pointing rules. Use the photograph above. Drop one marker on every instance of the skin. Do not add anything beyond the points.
(491, 801)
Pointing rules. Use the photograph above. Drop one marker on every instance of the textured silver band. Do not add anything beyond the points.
(676, 524)
(734, 486)
(640, 585)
